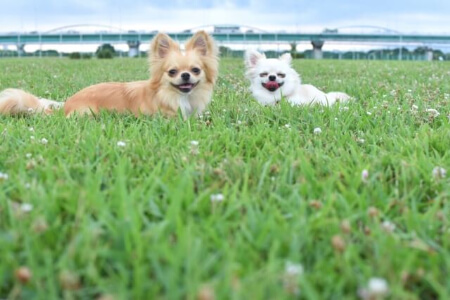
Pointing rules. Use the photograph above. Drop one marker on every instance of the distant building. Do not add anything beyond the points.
(328, 30)
(227, 29)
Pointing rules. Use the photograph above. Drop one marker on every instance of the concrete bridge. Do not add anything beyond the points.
(135, 39)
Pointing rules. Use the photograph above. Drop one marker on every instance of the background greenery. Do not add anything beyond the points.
(137, 221)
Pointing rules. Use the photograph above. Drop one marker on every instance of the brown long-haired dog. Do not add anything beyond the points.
(179, 80)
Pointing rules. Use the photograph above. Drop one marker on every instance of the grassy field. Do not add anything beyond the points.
(262, 207)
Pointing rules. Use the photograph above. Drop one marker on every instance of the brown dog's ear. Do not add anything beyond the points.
(202, 43)
(161, 45)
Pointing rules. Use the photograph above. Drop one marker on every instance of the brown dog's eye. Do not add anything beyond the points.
(196, 71)
(263, 74)
(282, 75)
(173, 72)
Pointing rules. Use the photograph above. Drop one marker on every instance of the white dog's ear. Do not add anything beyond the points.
(252, 57)
(286, 57)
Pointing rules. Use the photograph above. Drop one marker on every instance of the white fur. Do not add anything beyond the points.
(50, 103)
(292, 89)
(185, 106)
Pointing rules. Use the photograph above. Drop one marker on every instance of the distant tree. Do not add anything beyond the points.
(293, 49)
(224, 51)
(105, 51)
(75, 55)
(438, 54)
(420, 50)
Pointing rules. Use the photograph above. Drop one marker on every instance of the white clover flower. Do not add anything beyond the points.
(3, 176)
(290, 279)
(31, 129)
(317, 130)
(32, 137)
(388, 226)
(433, 112)
(121, 144)
(439, 172)
(365, 176)
(378, 287)
(287, 125)
(44, 141)
(194, 147)
(26, 207)
(217, 198)
(293, 269)
(28, 155)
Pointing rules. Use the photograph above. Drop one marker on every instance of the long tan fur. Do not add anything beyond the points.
(164, 92)
(17, 102)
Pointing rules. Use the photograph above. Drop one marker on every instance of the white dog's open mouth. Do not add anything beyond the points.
(185, 87)
(272, 85)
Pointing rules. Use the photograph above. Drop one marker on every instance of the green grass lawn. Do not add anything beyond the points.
(145, 219)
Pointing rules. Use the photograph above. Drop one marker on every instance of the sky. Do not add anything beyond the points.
(431, 16)
(412, 16)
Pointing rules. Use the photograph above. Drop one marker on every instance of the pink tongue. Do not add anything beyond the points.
(272, 85)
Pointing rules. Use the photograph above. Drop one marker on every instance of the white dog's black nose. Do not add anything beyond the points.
(185, 76)
(272, 77)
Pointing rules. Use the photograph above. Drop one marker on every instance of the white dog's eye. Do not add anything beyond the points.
(263, 74)
(282, 75)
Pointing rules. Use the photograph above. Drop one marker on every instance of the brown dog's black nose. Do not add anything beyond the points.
(272, 78)
(185, 76)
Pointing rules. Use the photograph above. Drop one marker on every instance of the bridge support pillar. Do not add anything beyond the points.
(133, 48)
(317, 49)
(20, 50)
(429, 54)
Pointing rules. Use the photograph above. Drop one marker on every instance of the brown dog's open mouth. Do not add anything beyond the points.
(272, 85)
(185, 87)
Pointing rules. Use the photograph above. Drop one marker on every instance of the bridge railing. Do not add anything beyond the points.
(70, 38)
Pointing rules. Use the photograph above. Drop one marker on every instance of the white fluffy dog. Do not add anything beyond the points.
(271, 79)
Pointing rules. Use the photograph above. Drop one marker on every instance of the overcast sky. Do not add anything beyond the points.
(430, 16)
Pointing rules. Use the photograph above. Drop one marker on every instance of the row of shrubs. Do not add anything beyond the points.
(104, 51)
(78, 55)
